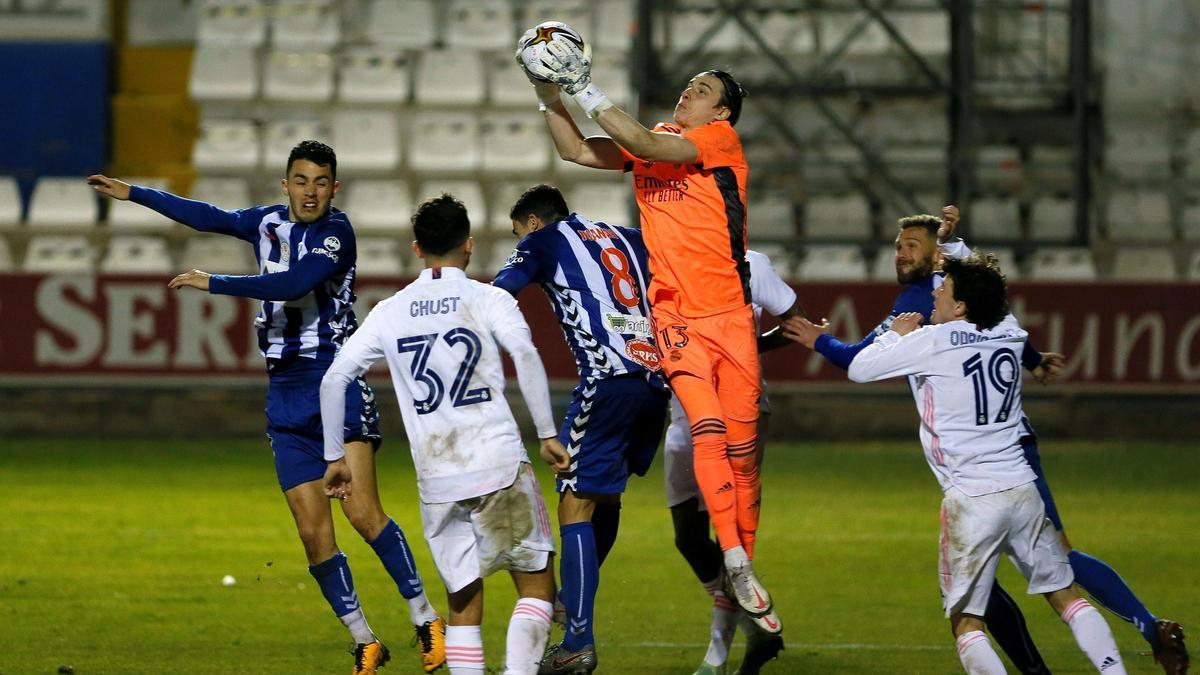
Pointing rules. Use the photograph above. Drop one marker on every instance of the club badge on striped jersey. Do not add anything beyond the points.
(643, 353)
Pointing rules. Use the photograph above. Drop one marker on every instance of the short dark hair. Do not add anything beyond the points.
(929, 223)
(314, 151)
(441, 224)
(731, 94)
(544, 201)
(979, 284)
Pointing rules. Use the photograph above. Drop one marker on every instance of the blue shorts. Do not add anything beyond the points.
(294, 425)
(613, 428)
(1029, 445)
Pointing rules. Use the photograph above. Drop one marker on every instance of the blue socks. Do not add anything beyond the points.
(333, 576)
(1109, 589)
(392, 549)
(580, 572)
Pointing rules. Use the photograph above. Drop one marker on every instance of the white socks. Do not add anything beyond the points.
(357, 623)
(977, 656)
(528, 630)
(419, 611)
(1094, 637)
(464, 650)
(724, 624)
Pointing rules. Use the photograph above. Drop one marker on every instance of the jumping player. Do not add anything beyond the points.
(689, 179)
(966, 374)
(481, 507)
(306, 254)
(594, 275)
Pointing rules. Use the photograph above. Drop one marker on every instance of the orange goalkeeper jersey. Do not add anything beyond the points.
(694, 221)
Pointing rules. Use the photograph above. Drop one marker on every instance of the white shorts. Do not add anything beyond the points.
(976, 530)
(508, 529)
(678, 469)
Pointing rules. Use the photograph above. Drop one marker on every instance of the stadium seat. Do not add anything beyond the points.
(63, 202)
(450, 77)
(837, 218)
(920, 166)
(59, 253)
(1144, 264)
(218, 255)
(223, 73)
(240, 23)
(614, 25)
(10, 202)
(469, 192)
(832, 263)
(298, 77)
(1007, 259)
(6, 261)
(445, 141)
(281, 136)
(603, 202)
(930, 203)
(125, 215)
(515, 143)
(1139, 215)
(137, 255)
(377, 75)
(501, 249)
(779, 255)
(507, 83)
(226, 145)
(504, 195)
(993, 218)
(367, 141)
(911, 122)
(227, 193)
(771, 215)
(883, 266)
(1051, 168)
(480, 24)
(999, 168)
(1062, 264)
(316, 24)
(1138, 151)
(1052, 219)
(409, 24)
(380, 257)
(379, 203)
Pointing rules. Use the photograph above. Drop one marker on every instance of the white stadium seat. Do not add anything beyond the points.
(137, 255)
(376, 75)
(1144, 264)
(316, 24)
(217, 255)
(837, 218)
(1139, 215)
(603, 202)
(224, 73)
(480, 24)
(883, 267)
(226, 145)
(227, 193)
(445, 141)
(283, 135)
(366, 140)
(402, 23)
(1052, 220)
(992, 218)
(450, 77)
(507, 82)
(1063, 264)
(55, 253)
(67, 202)
(501, 249)
(10, 202)
(614, 25)
(514, 143)
(379, 203)
(1007, 259)
(771, 215)
(298, 77)
(232, 22)
(999, 168)
(126, 215)
(1138, 152)
(469, 192)
(504, 195)
(832, 263)
(380, 257)
(779, 255)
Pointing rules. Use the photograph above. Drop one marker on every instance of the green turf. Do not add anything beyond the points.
(114, 553)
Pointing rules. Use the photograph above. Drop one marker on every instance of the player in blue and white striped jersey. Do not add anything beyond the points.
(595, 275)
(306, 253)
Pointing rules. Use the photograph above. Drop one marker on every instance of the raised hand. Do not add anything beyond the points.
(111, 187)
(800, 329)
(949, 223)
(193, 279)
(907, 322)
(573, 72)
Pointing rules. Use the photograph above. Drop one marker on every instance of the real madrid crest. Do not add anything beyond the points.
(285, 252)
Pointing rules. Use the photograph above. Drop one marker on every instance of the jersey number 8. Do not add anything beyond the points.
(624, 287)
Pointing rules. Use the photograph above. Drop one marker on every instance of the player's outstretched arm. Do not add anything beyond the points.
(109, 187)
(354, 359)
(1050, 367)
(511, 331)
(898, 352)
(598, 152)
(192, 279)
(197, 215)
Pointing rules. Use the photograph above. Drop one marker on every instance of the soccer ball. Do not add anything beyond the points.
(531, 48)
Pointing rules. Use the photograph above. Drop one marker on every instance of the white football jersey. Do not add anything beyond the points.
(440, 336)
(968, 392)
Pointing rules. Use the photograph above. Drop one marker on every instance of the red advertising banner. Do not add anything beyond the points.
(86, 328)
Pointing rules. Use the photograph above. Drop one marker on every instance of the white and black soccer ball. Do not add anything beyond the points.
(531, 48)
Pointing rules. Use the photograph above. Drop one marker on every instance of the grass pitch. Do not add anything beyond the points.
(115, 551)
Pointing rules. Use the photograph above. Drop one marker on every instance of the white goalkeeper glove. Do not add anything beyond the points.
(574, 74)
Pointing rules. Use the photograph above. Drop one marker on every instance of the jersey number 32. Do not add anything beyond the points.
(461, 392)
